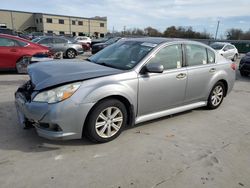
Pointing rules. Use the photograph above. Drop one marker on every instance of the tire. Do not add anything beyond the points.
(21, 65)
(106, 121)
(216, 96)
(71, 53)
(243, 73)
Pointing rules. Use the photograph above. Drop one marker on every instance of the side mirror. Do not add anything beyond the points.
(154, 68)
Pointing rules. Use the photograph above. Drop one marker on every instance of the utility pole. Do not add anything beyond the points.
(218, 25)
(124, 29)
(89, 26)
(12, 21)
(70, 31)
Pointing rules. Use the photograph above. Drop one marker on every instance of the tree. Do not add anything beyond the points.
(137, 32)
(246, 35)
(182, 32)
(234, 34)
(150, 31)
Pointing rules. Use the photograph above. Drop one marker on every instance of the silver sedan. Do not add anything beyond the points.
(129, 82)
(69, 48)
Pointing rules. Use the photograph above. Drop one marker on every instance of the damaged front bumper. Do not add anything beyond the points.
(58, 121)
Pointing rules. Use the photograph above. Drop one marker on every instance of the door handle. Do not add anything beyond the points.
(181, 76)
(212, 70)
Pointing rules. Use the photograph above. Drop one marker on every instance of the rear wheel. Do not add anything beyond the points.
(106, 121)
(71, 54)
(216, 96)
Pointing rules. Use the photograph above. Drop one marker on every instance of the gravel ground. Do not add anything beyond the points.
(198, 148)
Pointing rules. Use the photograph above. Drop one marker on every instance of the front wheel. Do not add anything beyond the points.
(216, 96)
(106, 121)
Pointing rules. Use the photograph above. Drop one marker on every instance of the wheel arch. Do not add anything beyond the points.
(20, 58)
(128, 105)
(225, 85)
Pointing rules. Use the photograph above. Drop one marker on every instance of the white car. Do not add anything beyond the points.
(83, 39)
(227, 50)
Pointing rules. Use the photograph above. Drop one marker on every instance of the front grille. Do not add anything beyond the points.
(27, 90)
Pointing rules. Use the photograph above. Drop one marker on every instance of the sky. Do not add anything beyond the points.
(202, 15)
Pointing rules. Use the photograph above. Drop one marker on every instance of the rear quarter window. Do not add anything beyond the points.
(21, 43)
(196, 55)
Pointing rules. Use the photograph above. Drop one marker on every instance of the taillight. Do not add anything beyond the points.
(233, 66)
(49, 53)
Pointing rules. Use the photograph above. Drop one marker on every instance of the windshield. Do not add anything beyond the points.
(217, 46)
(122, 55)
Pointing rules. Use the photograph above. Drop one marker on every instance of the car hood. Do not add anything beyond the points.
(48, 74)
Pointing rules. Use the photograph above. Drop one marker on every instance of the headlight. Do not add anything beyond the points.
(57, 94)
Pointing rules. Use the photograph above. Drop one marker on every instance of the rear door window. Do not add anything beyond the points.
(46, 41)
(210, 56)
(21, 43)
(196, 55)
(59, 41)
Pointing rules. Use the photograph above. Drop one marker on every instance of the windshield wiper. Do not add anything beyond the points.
(107, 65)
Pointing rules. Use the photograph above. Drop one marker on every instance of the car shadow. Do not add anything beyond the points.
(14, 137)
(240, 78)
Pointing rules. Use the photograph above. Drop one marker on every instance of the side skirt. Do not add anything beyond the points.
(160, 114)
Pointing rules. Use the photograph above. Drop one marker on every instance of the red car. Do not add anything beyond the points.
(14, 51)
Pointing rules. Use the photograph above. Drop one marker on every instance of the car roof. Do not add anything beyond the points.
(155, 40)
(44, 37)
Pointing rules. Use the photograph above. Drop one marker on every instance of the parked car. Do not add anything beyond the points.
(129, 82)
(99, 46)
(15, 50)
(7, 31)
(83, 39)
(34, 35)
(69, 48)
(24, 36)
(227, 50)
(100, 40)
(244, 65)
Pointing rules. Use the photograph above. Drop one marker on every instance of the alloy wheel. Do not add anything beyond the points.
(71, 54)
(109, 122)
(217, 95)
